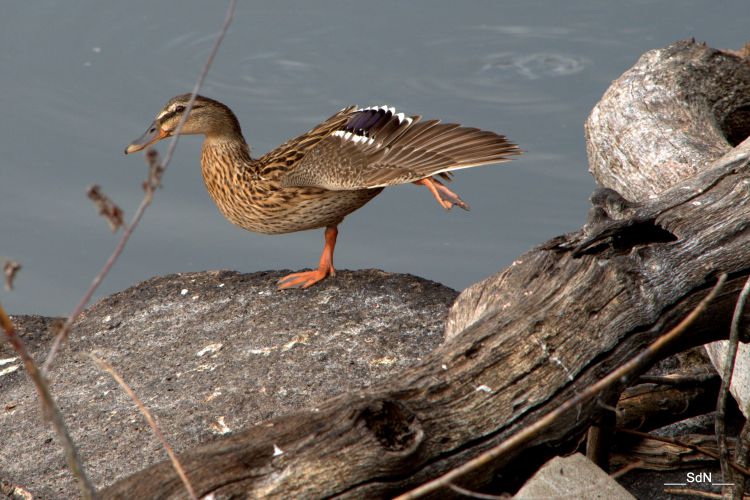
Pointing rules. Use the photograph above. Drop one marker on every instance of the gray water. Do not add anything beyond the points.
(81, 79)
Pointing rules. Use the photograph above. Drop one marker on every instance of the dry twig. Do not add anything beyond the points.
(49, 407)
(627, 468)
(10, 269)
(38, 376)
(619, 375)
(153, 174)
(726, 382)
(678, 380)
(474, 494)
(107, 208)
(155, 171)
(692, 493)
(106, 366)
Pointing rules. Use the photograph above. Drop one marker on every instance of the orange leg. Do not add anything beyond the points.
(448, 198)
(306, 279)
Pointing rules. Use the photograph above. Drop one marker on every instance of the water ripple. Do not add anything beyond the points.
(532, 66)
(527, 31)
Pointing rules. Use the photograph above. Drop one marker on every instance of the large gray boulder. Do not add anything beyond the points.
(208, 353)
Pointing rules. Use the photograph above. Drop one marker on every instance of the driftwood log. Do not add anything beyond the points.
(657, 455)
(675, 122)
(646, 407)
(558, 319)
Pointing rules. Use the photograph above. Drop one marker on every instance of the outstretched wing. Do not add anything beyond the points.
(376, 147)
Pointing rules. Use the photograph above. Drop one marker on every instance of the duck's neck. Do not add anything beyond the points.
(224, 158)
(229, 149)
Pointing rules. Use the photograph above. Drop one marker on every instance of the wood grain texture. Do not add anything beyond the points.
(521, 342)
(646, 407)
(675, 111)
(659, 456)
(740, 388)
(693, 106)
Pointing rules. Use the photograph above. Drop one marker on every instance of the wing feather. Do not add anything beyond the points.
(375, 147)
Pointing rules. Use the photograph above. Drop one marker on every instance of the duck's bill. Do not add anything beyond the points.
(153, 133)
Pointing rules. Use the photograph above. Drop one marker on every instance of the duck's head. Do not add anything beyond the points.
(207, 116)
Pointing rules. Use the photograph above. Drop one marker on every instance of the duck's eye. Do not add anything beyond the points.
(179, 109)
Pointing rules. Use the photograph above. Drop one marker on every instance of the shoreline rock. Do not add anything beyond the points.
(208, 353)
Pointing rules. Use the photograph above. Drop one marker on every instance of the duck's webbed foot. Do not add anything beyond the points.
(444, 196)
(304, 279)
(307, 279)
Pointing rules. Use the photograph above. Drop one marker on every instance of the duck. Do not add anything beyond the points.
(315, 180)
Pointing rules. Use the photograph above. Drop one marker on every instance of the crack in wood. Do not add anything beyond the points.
(394, 426)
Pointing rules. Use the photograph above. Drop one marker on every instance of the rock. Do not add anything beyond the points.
(208, 353)
(740, 387)
(572, 477)
(677, 110)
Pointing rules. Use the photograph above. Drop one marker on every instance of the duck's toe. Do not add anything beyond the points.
(303, 279)
(444, 196)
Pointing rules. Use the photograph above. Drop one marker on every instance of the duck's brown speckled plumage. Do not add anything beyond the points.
(318, 178)
(250, 192)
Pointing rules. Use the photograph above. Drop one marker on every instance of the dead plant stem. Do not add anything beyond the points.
(49, 407)
(106, 366)
(129, 228)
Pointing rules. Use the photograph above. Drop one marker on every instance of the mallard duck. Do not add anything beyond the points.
(317, 179)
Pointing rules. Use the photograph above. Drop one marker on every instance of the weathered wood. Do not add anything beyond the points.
(673, 113)
(600, 434)
(657, 455)
(740, 387)
(520, 342)
(649, 406)
(646, 137)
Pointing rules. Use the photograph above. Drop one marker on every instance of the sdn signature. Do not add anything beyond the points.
(699, 478)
